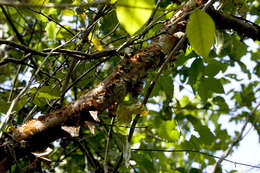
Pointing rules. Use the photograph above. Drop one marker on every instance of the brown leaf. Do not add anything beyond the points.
(72, 130)
(43, 154)
(94, 115)
(91, 126)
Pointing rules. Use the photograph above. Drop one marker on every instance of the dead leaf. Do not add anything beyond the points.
(94, 115)
(72, 130)
(43, 154)
(91, 126)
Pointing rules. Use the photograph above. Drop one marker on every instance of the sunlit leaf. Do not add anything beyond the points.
(125, 112)
(201, 32)
(68, 12)
(134, 14)
(167, 130)
(48, 93)
(51, 30)
(95, 41)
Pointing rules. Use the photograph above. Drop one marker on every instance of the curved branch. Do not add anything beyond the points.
(240, 25)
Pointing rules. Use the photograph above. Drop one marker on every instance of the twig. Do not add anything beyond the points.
(14, 83)
(152, 84)
(79, 47)
(235, 141)
(61, 157)
(51, 19)
(67, 5)
(109, 136)
(86, 151)
(19, 37)
(62, 5)
(111, 32)
(84, 74)
(194, 151)
(21, 94)
(22, 47)
(153, 13)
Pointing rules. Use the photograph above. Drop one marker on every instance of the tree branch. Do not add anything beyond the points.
(240, 25)
(235, 141)
(194, 151)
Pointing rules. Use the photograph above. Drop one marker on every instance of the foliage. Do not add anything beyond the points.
(184, 108)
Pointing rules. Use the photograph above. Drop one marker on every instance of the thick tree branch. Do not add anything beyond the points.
(35, 134)
(242, 26)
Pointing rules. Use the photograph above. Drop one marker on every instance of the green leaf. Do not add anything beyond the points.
(134, 14)
(220, 101)
(68, 12)
(19, 105)
(239, 48)
(167, 131)
(204, 91)
(4, 106)
(166, 84)
(51, 30)
(201, 32)
(113, 1)
(206, 136)
(213, 68)
(208, 86)
(196, 71)
(214, 85)
(48, 93)
(223, 44)
(184, 101)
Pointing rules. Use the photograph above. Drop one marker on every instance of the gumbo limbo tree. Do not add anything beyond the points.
(111, 86)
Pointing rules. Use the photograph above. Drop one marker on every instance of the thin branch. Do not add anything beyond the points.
(61, 157)
(51, 19)
(73, 53)
(62, 5)
(79, 47)
(22, 47)
(19, 37)
(20, 95)
(83, 75)
(235, 141)
(111, 32)
(86, 151)
(14, 83)
(153, 13)
(109, 136)
(195, 151)
(67, 5)
(152, 84)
